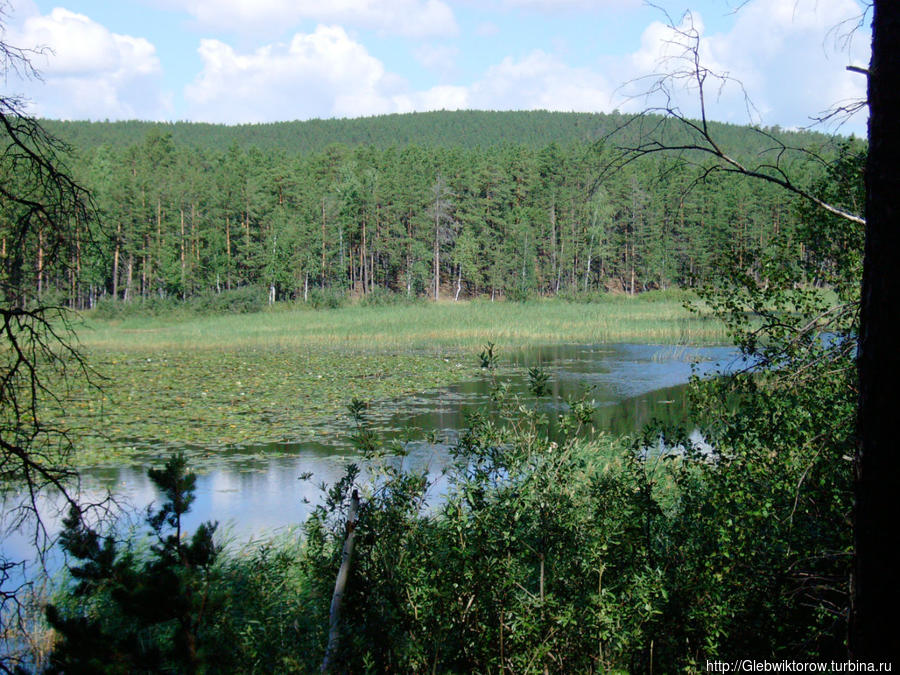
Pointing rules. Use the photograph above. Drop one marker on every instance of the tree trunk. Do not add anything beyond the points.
(587, 267)
(340, 585)
(158, 258)
(363, 262)
(341, 240)
(183, 286)
(437, 258)
(129, 277)
(559, 268)
(40, 264)
(246, 221)
(195, 255)
(115, 279)
(322, 269)
(631, 289)
(227, 254)
(78, 295)
(409, 239)
(553, 260)
(876, 593)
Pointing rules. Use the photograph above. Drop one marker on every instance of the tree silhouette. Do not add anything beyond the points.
(41, 208)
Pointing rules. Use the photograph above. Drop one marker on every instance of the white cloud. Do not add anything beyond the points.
(557, 5)
(87, 71)
(411, 18)
(328, 74)
(445, 97)
(784, 53)
(321, 74)
(541, 81)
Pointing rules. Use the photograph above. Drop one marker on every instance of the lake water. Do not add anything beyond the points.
(256, 490)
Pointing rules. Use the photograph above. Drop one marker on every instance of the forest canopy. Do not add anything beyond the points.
(352, 205)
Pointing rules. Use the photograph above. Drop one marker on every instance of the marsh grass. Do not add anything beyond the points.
(423, 326)
(219, 381)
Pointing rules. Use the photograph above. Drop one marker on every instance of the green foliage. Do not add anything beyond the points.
(487, 212)
(327, 298)
(537, 381)
(273, 617)
(138, 611)
(534, 557)
(380, 297)
(465, 128)
(488, 357)
(579, 296)
(549, 550)
(518, 293)
(763, 523)
(243, 300)
(364, 437)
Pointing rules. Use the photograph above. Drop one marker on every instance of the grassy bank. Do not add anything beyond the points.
(646, 318)
(213, 381)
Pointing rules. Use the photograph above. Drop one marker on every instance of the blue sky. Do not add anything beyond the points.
(236, 61)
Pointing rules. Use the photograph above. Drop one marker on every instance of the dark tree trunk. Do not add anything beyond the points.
(876, 592)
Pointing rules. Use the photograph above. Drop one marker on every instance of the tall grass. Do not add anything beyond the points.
(449, 325)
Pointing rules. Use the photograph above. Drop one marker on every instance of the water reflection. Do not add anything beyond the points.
(257, 489)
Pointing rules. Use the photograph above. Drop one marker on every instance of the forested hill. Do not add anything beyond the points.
(465, 129)
(447, 204)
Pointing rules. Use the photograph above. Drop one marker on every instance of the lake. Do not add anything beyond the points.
(255, 490)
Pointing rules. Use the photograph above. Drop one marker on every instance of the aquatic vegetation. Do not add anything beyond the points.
(213, 382)
(213, 399)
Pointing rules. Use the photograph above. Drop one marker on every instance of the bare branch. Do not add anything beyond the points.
(39, 356)
(683, 69)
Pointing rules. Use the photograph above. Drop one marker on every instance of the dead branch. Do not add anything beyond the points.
(683, 69)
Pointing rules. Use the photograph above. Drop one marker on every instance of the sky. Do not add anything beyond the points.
(249, 61)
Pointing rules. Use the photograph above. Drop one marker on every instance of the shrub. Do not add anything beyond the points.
(241, 300)
(133, 611)
(327, 298)
(518, 294)
(381, 296)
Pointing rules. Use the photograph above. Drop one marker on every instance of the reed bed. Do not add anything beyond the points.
(447, 325)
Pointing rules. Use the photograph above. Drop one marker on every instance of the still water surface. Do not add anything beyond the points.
(255, 490)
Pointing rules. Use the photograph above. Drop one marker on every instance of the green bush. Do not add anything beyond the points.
(327, 298)
(144, 610)
(242, 300)
(518, 294)
(109, 308)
